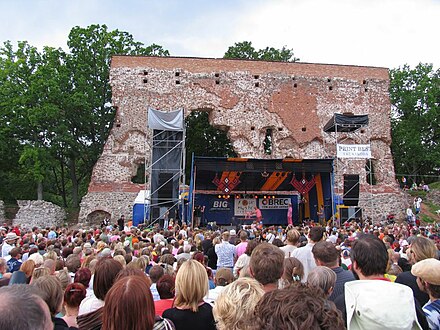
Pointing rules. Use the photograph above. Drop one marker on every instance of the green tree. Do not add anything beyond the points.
(57, 113)
(245, 50)
(415, 97)
(203, 139)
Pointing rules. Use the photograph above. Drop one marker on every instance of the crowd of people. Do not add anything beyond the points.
(357, 276)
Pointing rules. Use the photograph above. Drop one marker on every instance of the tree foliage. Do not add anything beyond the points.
(415, 96)
(245, 50)
(57, 113)
(203, 139)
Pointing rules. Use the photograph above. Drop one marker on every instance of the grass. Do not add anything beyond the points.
(427, 219)
(435, 185)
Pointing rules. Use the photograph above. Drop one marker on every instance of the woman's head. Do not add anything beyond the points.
(422, 248)
(129, 305)
(74, 294)
(251, 245)
(293, 272)
(28, 268)
(191, 285)
(83, 276)
(105, 273)
(244, 292)
(322, 277)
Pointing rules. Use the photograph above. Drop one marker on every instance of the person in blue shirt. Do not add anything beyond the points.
(14, 263)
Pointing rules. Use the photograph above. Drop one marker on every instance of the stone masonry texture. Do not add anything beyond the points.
(245, 98)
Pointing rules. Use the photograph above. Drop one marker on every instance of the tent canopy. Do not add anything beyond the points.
(345, 123)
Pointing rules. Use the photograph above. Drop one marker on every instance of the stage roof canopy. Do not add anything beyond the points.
(345, 123)
(245, 174)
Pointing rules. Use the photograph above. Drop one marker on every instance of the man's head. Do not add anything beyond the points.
(22, 307)
(266, 263)
(369, 256)
(223, 277)
(226, 236)
(316, 234)
(156, 272)
(428, 276)
(243, 236)
(293, 236)
(326, 254)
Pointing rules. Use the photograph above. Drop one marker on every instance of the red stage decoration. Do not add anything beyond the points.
(227, 184)
(303, 186)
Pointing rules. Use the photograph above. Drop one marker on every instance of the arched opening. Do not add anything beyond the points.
(96, 217)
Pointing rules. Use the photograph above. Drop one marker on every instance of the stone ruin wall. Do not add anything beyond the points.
(245, 98)
(39, 213)
(2, 212)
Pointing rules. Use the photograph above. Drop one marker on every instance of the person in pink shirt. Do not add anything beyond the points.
(289, 215)
(241, 247)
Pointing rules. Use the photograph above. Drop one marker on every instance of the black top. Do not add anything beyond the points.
(185, 319)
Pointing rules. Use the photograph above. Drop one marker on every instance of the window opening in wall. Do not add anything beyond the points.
(364, 82)
(330, 88)
(145, 80)
(256, 76)
(267, 143)
(252, 128)
(295, 85)
(280, 129)
(177, 74)
(177, 82)
(217, 82)
(366, 89)
(328, 80)
(140, 174)
(257, 84)
(217, 75)
(304, 129)
(131, 150)
(145, 72)
(369, 168)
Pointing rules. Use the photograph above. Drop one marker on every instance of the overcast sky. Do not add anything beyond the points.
(385, 33)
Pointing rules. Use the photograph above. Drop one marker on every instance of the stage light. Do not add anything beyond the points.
(228, 196)
(255, 196)
(273, 196)
(219, 196)
(264, 197)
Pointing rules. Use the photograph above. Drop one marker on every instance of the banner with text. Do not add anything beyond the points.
(244, 205)
(274, 203)
(353, 151)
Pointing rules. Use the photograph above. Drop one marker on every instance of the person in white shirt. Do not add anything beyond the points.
(305, 255)
(291, 243)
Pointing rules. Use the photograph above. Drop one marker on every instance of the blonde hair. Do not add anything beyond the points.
(28, 267)
(50, 255)
(422, 248)
(120, 259)
(64, 278)
(245, 293)
(191, 285)
(40, 272)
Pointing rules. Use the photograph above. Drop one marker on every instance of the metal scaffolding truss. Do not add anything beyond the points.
(347, 128)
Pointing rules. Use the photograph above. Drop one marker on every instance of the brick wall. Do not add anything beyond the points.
(245, 98)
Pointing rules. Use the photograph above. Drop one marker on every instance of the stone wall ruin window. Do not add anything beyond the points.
(369, 168)
(267, 143)
(139, 177)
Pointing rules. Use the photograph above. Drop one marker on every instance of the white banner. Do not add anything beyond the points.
(353, 151)
(244, 205)
(165, 121)
(274, 203)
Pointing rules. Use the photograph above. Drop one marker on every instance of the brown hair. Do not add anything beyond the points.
(129, 305)
(166, 287)
(106, 271)
(293, 271)
(266, 263)
(74, 294)
(326, 253)
(293, 236)
(297, 308)
(83, 276)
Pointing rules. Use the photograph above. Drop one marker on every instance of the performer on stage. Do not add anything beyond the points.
(289, 215)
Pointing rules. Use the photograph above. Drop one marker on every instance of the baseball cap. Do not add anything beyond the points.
(428, 270)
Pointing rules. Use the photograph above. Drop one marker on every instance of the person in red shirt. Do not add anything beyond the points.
(165, 287)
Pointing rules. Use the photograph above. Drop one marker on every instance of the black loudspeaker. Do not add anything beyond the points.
(351, 190)
(165, 186)
(350, 213)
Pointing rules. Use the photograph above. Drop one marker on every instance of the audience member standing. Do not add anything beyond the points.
(225, 252)
(305, 255)
(266, 265)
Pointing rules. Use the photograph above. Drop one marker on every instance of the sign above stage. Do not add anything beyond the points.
(274, 203)
(356, 151)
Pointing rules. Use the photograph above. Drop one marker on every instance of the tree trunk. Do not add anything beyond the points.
(40, 190)
(74, 179)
